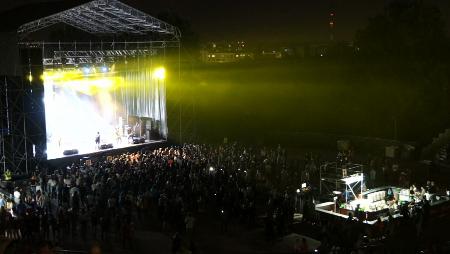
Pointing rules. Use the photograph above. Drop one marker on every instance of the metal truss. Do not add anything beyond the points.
(14, 144)
(94, 56)
(332, 175)
(58, 54)
(105, 17)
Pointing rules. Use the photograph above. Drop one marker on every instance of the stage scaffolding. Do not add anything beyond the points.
(336, 177)
(17, 147)
(105, 17)
(107, 21)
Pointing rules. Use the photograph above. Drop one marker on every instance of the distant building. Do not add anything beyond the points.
(226, 52)
(272, 54)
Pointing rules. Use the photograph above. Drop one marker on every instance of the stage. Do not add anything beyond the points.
(79, 93)
(116, 149)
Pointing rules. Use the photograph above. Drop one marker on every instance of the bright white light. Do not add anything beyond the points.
(298, 190)
(353, 178)
(86, 70)
(303, 185)
(211, 169)
(160, 73)
(104, 69)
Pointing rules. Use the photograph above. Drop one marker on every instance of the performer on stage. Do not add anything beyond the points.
(118, 136)
(97, 139)
(137, 128)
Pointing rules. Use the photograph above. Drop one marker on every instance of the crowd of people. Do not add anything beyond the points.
(105, 199)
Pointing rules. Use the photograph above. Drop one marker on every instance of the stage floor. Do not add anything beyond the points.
(56, 153)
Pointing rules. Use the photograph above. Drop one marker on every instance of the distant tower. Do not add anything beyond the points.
(332, 19)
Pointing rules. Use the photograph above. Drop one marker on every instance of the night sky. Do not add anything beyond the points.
(260, 21)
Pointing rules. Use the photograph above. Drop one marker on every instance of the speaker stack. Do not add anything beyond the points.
(106, 146)
(70, 152)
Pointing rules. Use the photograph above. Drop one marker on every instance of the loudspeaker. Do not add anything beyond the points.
(70, 152)
(106, 146)
(138, 140)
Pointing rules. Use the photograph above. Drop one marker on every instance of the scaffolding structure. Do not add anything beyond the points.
(105, 17)
(101, 19)
(18, 150)
(340, 177)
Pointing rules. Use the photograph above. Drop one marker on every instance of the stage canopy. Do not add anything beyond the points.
(105, 17)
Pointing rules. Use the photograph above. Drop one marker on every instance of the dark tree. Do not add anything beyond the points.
(412, 30)
(408, 45)
(189, 38)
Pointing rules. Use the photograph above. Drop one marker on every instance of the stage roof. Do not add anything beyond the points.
(105, 17)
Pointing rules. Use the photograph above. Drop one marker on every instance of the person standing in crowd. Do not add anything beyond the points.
(176, 243)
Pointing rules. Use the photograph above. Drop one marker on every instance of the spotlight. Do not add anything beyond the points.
(298, 190)
(160, 73)
(86, 70)
(104, 69)
(211, 169)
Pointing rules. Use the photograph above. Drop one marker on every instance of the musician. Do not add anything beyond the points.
(137, 129)
(118, 136)
(97, 139)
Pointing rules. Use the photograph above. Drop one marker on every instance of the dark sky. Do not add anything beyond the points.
(262, 20)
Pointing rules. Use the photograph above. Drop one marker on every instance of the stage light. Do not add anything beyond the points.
(211, 169)
(30, 77)
(104, 69)
(160, 73)
(86, 70)
(298, 190)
